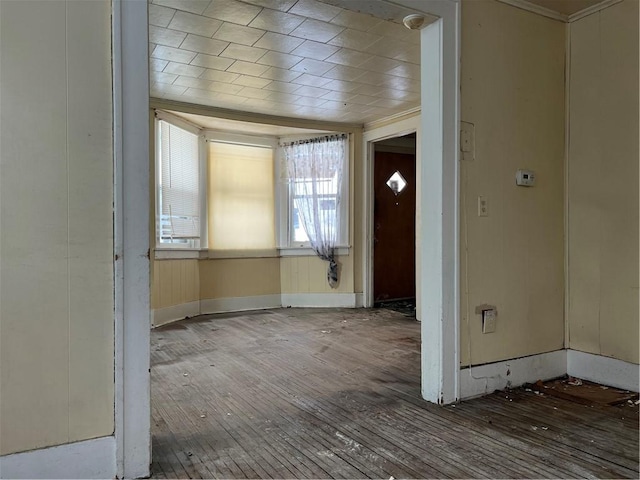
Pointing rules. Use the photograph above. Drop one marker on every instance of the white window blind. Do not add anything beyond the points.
(179, 208)
(241, 197)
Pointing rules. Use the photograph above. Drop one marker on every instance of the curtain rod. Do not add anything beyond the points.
(326, 138)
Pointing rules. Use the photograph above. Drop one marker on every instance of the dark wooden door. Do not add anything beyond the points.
(394, 228)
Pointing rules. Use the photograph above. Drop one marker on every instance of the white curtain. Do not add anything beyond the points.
(314, 168)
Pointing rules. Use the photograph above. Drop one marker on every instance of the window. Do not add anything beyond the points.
(317, 191)
(178, 192)
(241, 197)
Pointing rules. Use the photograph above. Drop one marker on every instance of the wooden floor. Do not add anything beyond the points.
(313, 393)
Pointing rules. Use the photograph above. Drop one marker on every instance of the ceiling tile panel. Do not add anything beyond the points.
(344, 73)
(211, 61)
(251, 92)
(356, 21)
(278, 42)
(200, 44)
(317, 30)
(352, 58)
(217, 98)
(282, 87)
(255, 82)
(182, 69)
(164, 89)
(397, 30)
(193, 6)
(157, 65)
(225, 88)
(341, 86)
(380, 64)
(314, 67)
(283, 97)
(277, 22)
(282, 5)
(192, 82)
(371, 90)
(311, 91)
(232, 11)
(316, 10)
(280, 74)
(338, 96)
(354, 39)
(219, 76)
(310, 101)
(410, 54)
(162, 77)
(279, 60)
(197, 24)
(315, 50)
(247, 68)
(160, 16)
(163, 36)
(230, 32)
(172, 54)
(311, 80)
(408, 70)
(363, 100)
(242, 52)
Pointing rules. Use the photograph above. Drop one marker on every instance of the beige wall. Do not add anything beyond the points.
(603, 183)
(512, 82)
(56, 281)
(309, 275)
(239, 277)
(175, 282)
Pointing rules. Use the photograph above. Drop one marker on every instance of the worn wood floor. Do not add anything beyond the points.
(312, 393)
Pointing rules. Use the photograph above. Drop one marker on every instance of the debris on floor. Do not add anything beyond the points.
(583, 391)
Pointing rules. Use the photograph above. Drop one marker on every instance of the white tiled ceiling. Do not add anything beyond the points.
(293, 58)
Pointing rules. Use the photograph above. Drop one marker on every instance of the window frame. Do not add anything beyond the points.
(189, 249)
(286, 240)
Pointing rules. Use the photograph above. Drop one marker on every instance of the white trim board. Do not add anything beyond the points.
(87, 459)
(485, 379)
(603, 370)
(327, 300)
(239, 304)
(162, 316)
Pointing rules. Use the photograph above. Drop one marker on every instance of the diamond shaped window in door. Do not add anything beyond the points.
(396, 183)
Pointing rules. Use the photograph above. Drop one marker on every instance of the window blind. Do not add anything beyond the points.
(241, 197)
(179, 179)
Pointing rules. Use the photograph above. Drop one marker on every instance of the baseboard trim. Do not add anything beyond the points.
(165, 315)
(239, 304)
(328, 300)
(604, 370)
(86, 459)
(359, 300)
(484, 379)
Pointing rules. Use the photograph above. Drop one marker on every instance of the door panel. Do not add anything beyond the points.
(394, 274)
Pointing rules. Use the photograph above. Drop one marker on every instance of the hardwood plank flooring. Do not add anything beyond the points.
(335, 393)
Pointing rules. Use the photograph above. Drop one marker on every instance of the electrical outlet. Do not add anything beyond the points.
(489, 321)
(483, 207)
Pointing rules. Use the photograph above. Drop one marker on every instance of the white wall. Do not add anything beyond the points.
(56, 234)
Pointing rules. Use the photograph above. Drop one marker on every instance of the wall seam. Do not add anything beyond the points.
(66, 62)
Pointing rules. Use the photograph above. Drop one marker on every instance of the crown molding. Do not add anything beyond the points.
(530, 7)
(593, 9)
(392, 118)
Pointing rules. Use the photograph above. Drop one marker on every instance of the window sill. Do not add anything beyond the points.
(308, 251)
(179, 253)
(266, 253)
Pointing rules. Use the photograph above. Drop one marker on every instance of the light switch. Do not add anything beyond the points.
(467, 141)
(489, 321)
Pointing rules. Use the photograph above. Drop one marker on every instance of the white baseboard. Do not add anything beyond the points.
(175, 312)
(328, 300)
(484, 379)
(603, 370)
(239, 304)
(87, 459)
(359, 300)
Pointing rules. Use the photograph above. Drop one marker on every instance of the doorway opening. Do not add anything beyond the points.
(394, 224)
